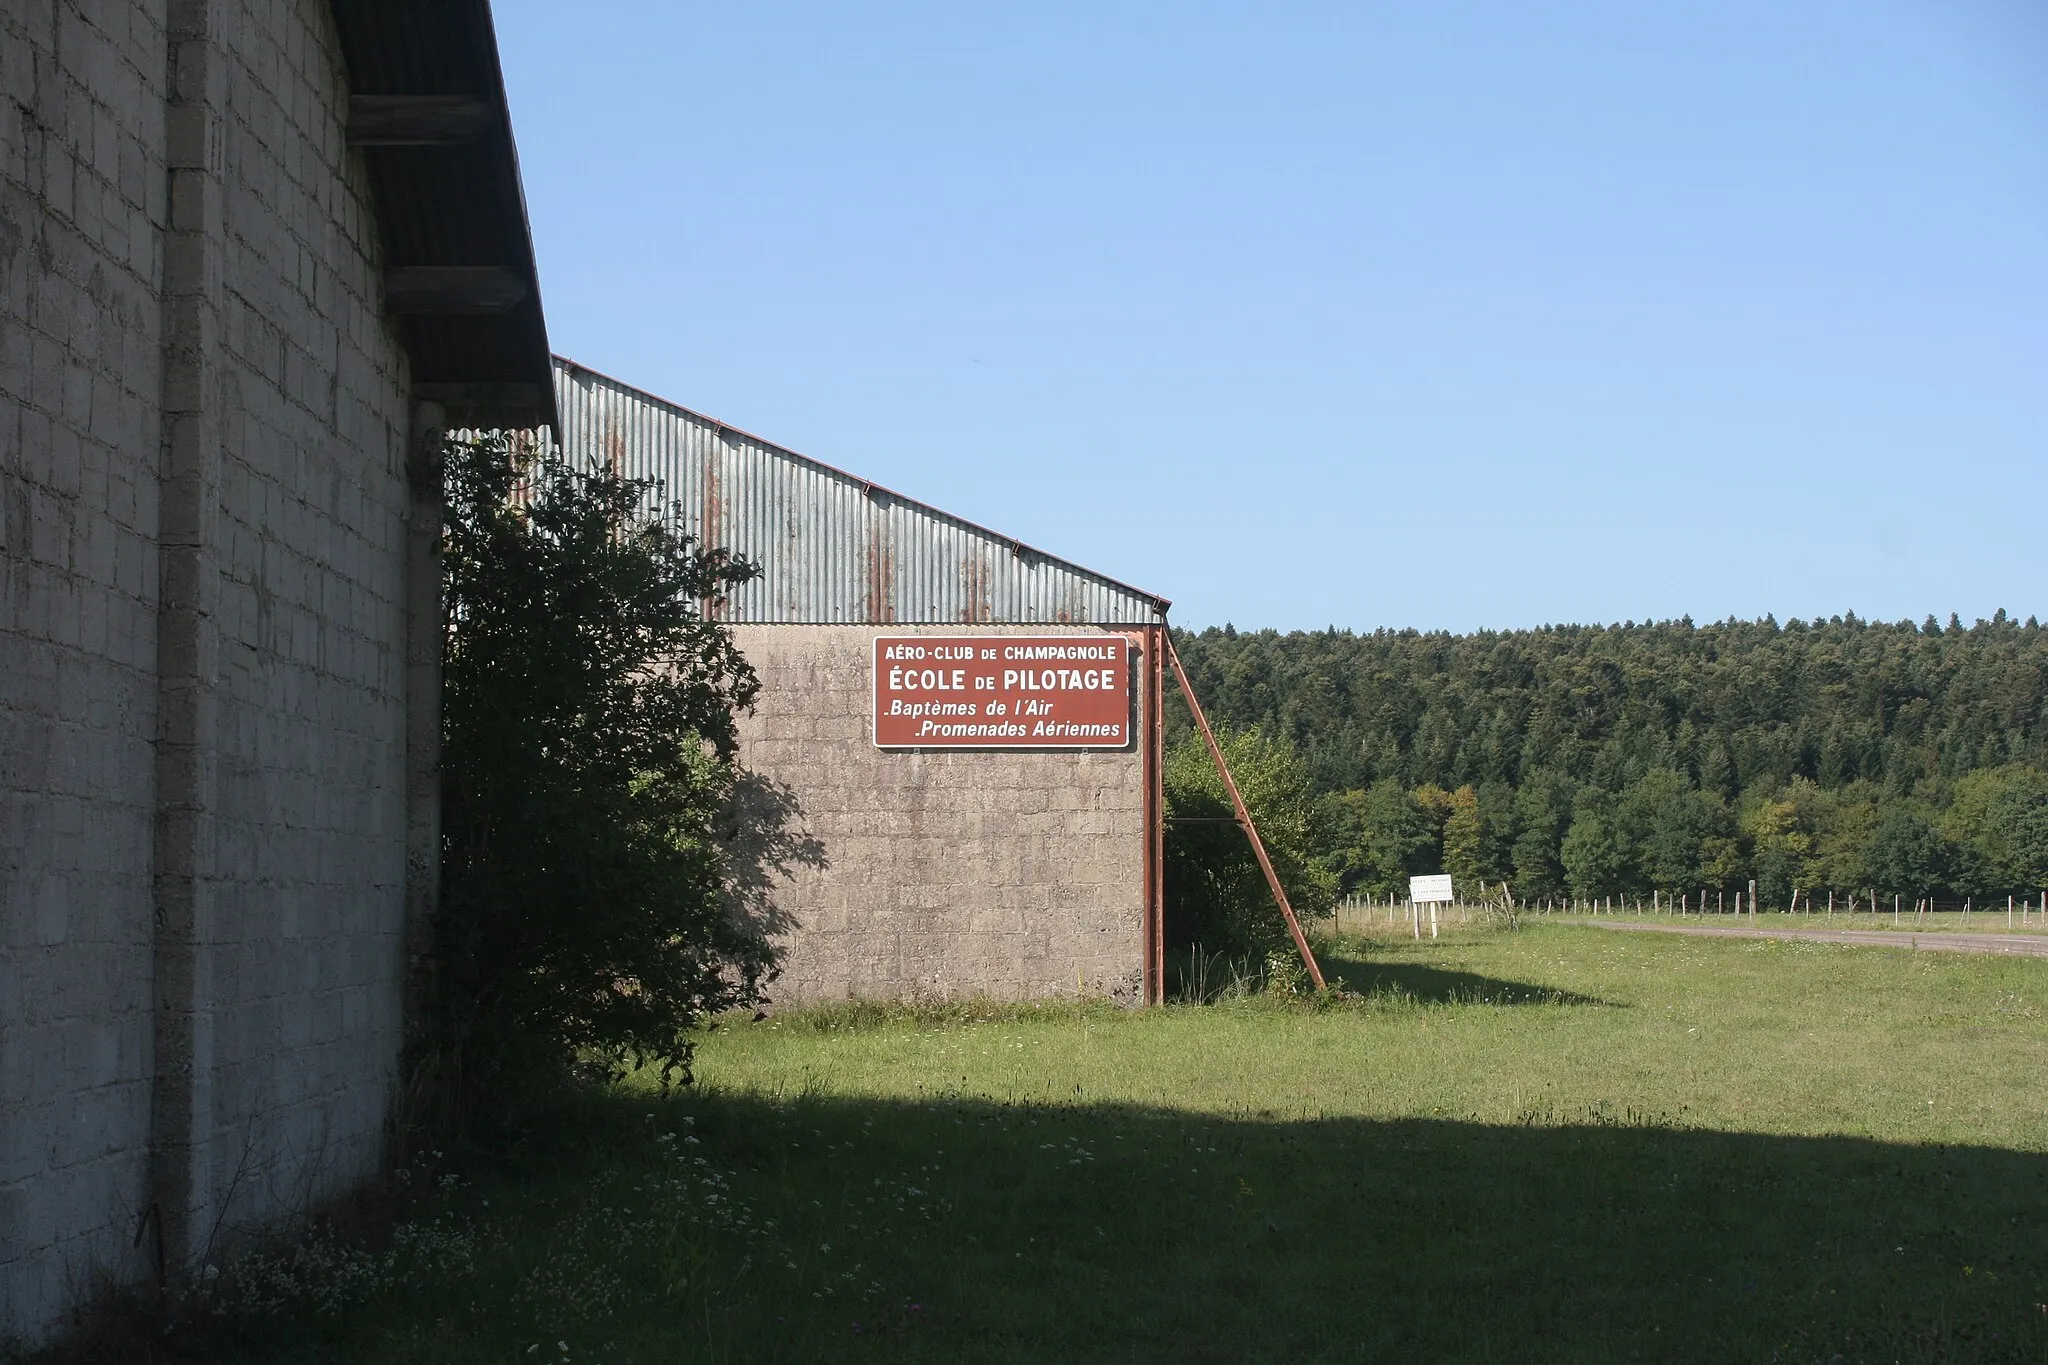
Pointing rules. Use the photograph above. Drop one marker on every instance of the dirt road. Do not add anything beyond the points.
(2020, 945)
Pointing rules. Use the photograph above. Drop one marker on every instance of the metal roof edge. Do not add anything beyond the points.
(504, 103)
(450, 204)
(867, 485)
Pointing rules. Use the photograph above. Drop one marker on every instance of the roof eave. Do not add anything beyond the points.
(451, 208)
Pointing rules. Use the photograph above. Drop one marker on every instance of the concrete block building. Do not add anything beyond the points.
(252, 256)
(949, 859)
(255, 260)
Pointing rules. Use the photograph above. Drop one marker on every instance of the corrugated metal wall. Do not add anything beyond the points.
(832, 548)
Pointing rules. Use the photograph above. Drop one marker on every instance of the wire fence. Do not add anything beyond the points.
(1377, 914)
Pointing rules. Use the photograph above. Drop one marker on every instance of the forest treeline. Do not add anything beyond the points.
(1594, 760)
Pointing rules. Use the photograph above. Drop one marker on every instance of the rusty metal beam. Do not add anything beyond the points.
(489, 405)
(1156, 680)
(451, 289)
(1244, 816)
(1152, 738)
(415, 120)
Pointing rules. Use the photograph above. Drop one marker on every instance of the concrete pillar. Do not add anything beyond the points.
(424, 629)
(181, 1198)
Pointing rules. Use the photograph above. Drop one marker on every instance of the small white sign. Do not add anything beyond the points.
(1430, 890)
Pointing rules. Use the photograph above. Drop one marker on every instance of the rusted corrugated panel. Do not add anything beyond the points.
(831, 547)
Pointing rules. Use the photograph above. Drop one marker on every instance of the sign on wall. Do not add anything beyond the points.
(1002, 692)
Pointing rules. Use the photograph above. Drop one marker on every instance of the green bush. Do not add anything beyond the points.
(588, 735)
(1216, 896)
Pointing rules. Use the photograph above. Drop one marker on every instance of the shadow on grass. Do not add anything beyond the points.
(811, 1228)
(1437, 985)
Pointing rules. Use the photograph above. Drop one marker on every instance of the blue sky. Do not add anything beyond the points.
(1448, 315)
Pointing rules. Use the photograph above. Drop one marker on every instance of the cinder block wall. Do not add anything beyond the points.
(1014, 874)
(308, 910)
(81, 208)
(245, 324)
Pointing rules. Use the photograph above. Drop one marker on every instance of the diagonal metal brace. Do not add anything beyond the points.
(1244, 817)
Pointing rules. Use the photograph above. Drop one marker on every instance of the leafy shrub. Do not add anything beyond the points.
(588, 739)
(1216, 896)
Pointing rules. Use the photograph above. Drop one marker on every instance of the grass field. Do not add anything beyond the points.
(1556, 1143)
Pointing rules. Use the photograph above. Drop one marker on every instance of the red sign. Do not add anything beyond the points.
(1002, 692)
